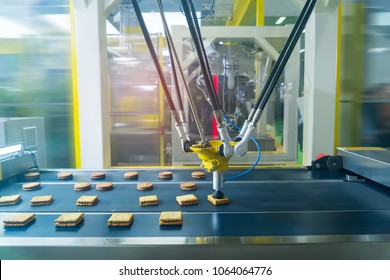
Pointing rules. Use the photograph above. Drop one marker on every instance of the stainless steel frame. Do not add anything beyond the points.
(253, 247)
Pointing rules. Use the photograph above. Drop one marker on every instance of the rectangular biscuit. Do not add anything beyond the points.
(87, 200)
(148, 200)
(188, 199)
(69, 219)
(10, 199)
(217, 201)
(41, 200)
(19, 220)
(171, 218)
(120, 220)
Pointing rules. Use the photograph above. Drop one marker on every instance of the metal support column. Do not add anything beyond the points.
(92, 76)
(320, 82)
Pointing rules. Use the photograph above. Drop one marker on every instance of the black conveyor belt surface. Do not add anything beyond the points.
(268, 202)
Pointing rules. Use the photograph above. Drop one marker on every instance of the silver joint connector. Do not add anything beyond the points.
(228, 150)
(241, 148)
(217, 180)
(257, 116)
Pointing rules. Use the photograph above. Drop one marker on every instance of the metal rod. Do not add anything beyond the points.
(152, 51)
(190, 99)
(190, 13)
(176, 82)
(282, 60)
(226, 148)
(218, 184)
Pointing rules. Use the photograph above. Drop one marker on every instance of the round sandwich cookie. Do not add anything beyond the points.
(31, 186)
(165, 175)
(188, 186)
(65, 175)
(31, 175)
(198, 174)
(145, 186)
(131, 175)
(82, 186)
(98, 175)
(104, 186)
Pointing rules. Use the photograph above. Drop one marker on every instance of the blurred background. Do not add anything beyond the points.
(35, 71)
(36, 74)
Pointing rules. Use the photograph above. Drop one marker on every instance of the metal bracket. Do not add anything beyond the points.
(354, 178)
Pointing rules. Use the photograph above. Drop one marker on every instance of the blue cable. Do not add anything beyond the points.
(202, 17)
(258, 155)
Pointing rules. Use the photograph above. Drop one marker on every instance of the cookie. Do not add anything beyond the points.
(188, 186)
(131, 175)
(98, 175)
(104, 186)
(148, 200)
(188, 199)
(217, 201)
(32, 175)
(198, 174)
(145, 186)
(31, 186)
(19, 220)
(41, 200)
(69, 220)
(82, 186)
(165, 175)
(65, 175)
(171, 218)
(10, 199)
(120, 220)
(87, 200)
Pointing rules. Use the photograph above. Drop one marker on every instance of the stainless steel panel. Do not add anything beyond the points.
(371, 163)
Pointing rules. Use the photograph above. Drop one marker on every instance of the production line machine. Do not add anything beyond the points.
(337, 208)
(274, 213)
(215, 154)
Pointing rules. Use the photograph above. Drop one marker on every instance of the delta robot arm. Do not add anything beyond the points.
(215, 154)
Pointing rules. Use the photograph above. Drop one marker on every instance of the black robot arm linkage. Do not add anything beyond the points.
(152, 51)
(283, 57)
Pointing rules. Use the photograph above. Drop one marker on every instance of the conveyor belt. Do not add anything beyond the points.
(288, 206)
(215, 225)
(245, 197)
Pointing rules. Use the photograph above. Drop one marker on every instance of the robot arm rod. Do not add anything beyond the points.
(197, 39)
(152, 52)
(178, 116)
(190, 14)
(173, 53)
(242, 146)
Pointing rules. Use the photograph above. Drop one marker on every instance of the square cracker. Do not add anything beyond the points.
(217, 201)
(148, 200)
(69, 219)
(19, 220)
(188, 199)
(87, 200)
(120, 220)
(10, 199)
(41, 200)
(171, 218)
